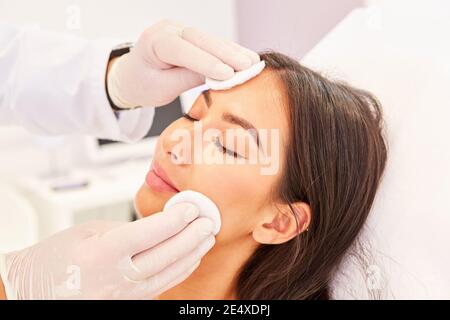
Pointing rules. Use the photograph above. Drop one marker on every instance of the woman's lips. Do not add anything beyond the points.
(158, 180)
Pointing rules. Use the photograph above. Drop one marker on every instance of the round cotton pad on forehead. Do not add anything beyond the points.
(238, 78)
(207, 208)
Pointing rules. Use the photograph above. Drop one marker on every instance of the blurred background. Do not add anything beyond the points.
(395, 48)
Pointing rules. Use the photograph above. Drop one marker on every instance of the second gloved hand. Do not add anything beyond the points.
(111, 260)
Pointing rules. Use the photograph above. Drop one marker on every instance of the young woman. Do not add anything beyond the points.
(283, 234)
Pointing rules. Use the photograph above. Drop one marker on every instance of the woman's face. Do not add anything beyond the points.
(242, 191)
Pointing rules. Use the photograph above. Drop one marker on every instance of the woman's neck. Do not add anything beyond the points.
(216, 276)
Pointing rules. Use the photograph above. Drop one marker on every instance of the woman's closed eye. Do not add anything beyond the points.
(187, 116)
(222, 148)
(217, 142)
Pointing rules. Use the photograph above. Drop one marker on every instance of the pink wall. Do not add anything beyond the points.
(290, 26)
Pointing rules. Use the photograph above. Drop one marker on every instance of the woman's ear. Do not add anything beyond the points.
(280, 225)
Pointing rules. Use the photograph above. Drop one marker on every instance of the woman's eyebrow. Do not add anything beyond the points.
(231, 118)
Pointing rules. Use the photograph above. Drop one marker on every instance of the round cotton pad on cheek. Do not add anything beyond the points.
(238, 78)
(207, 208)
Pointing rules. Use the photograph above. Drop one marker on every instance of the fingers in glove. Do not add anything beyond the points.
(140, 235)
(174, 274)
(157, 259)
(232, 55)
(174, 50)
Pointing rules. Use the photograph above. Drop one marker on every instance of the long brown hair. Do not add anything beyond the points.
(335, 159)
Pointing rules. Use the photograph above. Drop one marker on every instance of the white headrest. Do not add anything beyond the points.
(405, 64)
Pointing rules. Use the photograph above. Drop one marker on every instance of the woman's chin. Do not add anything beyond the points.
(148, 202)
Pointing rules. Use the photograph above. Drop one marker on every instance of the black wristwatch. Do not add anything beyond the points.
(116, 52)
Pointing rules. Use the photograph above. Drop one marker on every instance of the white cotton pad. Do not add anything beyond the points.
(208, 209)
(238, 78)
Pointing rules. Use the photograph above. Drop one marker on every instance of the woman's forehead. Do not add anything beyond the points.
(260, 100)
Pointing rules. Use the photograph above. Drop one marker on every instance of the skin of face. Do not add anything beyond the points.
(250, 214)
(240, 191)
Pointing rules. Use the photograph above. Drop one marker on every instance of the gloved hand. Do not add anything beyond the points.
(111, 260)
(169, 59)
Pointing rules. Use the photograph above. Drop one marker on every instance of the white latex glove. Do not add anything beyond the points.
(111, 260)
(169, 59)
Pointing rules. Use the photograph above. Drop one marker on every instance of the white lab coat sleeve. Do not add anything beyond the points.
(54, 84)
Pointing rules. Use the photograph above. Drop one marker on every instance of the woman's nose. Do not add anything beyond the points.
(176, 157)
(177, 145)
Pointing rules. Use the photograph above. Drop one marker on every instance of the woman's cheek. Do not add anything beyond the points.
(231, 187)
(228, 187)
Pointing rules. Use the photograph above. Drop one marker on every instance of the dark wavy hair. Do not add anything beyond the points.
(335, 160)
